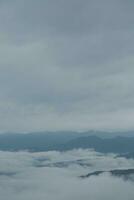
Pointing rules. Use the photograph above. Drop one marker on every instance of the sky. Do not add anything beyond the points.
(25, 175)
(66, 65)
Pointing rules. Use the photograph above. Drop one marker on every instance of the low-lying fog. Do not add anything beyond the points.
(56, 176)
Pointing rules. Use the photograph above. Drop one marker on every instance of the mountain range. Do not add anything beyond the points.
(46, 141)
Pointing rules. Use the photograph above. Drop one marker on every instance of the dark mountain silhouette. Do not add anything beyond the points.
(115, 145)
(127, 174)
(66, 141)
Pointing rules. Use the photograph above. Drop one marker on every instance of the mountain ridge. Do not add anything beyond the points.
(62, 141)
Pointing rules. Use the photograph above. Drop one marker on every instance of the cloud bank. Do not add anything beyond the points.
(27, 176)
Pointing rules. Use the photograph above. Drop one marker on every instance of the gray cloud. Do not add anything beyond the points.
(66, 65)
(32, 182)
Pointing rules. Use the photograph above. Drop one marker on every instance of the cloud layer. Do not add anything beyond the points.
(66, 65)
(27, 176)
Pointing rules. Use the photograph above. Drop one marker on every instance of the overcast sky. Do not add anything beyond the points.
(66, 65)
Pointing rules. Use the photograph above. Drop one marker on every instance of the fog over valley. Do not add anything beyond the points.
(55, 176)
